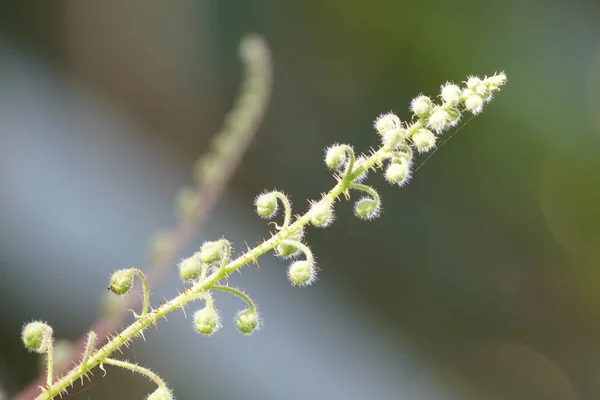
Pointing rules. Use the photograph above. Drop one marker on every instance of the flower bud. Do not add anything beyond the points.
(247, 321)
(421, 106)
(301, 273)
(393, 137)
(398, 173)
(212, 252)
(286, 250)
(451, 93)
(423, 140)
(37, 337)
(438, 121)
(367, 208)
(190, 268)
(161, 393)
(473, 82)
(495, 81)
(321, 213)
(266, 205)
(335, 157)
(207, 321)
(122, 281)
(386, 122)
(474, 104)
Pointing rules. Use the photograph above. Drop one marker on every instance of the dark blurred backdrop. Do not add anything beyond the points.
(480, 281)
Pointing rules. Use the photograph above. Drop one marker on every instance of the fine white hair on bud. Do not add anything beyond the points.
(266, 205)
(367, 208)
(37, 337)
(302, 273)
(191, 268)
(321, 213)
(162, 393)
(121, 281)
(421, 106)
(451, 93)
(386, 122)
(247, 321)
(423, 140)
(212, 252)
(439, 120)
(473, 82)
(398, 173)
(335, 156)
(474, 103)
(288, 249)
(394, 137)
(207, 321)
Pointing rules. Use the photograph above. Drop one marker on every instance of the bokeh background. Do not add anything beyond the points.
(480, 281)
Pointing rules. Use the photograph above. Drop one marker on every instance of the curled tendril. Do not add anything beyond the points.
(287, 210)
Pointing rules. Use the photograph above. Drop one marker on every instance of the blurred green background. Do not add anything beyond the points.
(481, 280)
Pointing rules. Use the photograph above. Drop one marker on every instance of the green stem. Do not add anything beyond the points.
(144, 280)
(151, 317)
(136, 368)
(237, 292)
(50, 363)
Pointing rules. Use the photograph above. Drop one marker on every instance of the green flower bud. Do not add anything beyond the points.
(367, 208)
(190, 268)
(212, 252)
(247, 321)
(393, 137)
(286, 250)
(302, 273)
(122, 281)
(474, 103)
(421, 106)
(266, 205)
(37, 337)
(438, 121)
(398, 173)
(335, 156)
(321, 213)
(423, 140)
(451, 93)
(207, 321)
(161, 393)
(386, 122)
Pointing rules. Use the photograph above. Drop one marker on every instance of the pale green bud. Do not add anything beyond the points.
(301, 273)
(394, 137)
(122, 281)
(247, 321)
(212, 252)
(37, 337)
(438, 121)
(335, 157)
(423, 140)
(367, 208)
(451, 93)
(398, 173)
(207, 321)
(474, 103)
(286, 250)
(421, 106)
(386, 122)
(321, 213)
(190, 268)
(266, 205)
